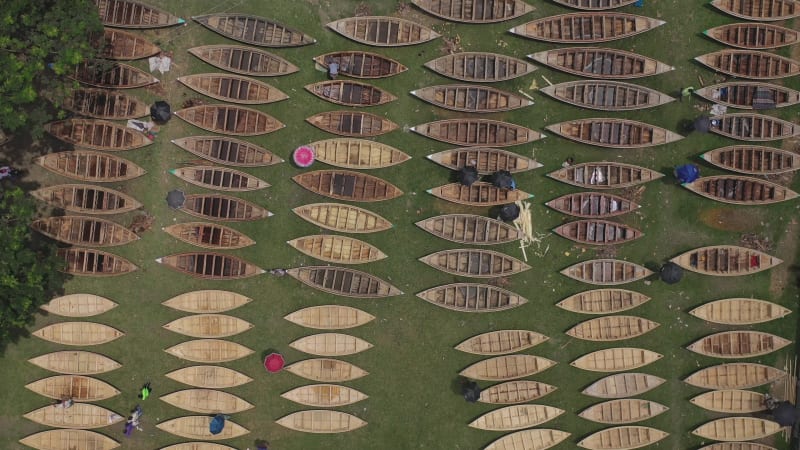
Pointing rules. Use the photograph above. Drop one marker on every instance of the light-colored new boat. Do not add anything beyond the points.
(501, 342)
(472, 297)
(507, 367)
(75, 362)
(209, 325)
(625, 437)
(324, 395)
(209, 351)
(731, 401)
(79, 305)
(737, 429)
(78, 333)
(337, 249)
(616, 359)
(603, 301)
(81, 416)
(738, 375)
(321, 421)
(343, 218)
(326, 370)
(606, 271)
(78, 387)
(470, 229)
(740, 311)
(209, 377)
(725, 260)
(738, 344)
(329, 317)
(612, 328)
(207, 301)
(352, 153)
(330, 344)
(476, 263)
(207, 401)
(533, 439)
(516, 417)
(514, 392)
(68, 440)
(623, 411)
(620, 385)
(197, 427)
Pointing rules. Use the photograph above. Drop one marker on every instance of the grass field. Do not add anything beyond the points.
(413, 366)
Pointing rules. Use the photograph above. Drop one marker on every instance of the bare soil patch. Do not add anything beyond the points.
(728, 219)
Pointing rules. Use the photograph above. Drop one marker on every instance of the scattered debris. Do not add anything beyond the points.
(452, 45)
(363, 9)
(142, 223)
(756, 242)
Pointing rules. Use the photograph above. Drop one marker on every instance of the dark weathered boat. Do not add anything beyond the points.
(344, 281)
(361, 64)
(606, 95)
(133, 14)
(222, 207)
(475, 11)
(486, 160)
(104, 104)
(348, 185)
(210, 266)
(614, 133)
(762, 10)
(352, 123)
(735, 376)
(209, 235)
(470, 229)
(94, 263)
(597, 62)
(725, 260)
(219, 178)
(606, 271)
(87, 199)
(86, 231)
(604, 175)
(477, 132)
(597, 232)
(350, 93)
(103, 73)
(738, 344)
(753, 127)
(471, 98)
(352, 153)
(244, 60)
(750, 95)
(595, 5)
(753, 64)
(97, 134)
(227, 150)
(472, 297)
(586, 27)
(343, 218)
(383, 31)
(254, 30)
(92, 166)
(478, 194)
(480, 67)
(233, 88)
(123, 45)
(592, 205)
(753, 36)
(475, 263)
(229, 119)
(753, 159)
(740, 190)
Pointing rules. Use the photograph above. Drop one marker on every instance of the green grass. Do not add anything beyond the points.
(413, 366)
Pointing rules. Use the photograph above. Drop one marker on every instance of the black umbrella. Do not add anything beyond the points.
(785, 414)
(471, 391)
(509, 212)
(176, 199)
(671, 273)
(160, 112)
(503, 180)
(468, 175)
(702, 124)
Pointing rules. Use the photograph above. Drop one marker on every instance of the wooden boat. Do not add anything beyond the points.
(623, 438)
(738, 344)
(586, 27)
(86, 199)
(472, 297)
(623, 411)
(507, 367)
(479, 193)
(244, 60)
(324, 395)
(480, 67)
(734, 376)
(197, 427)
(209, 325)
(731, 401)
(753, 64)
(133, 14)
(350, 93)
(501, 342)
(595, 5)
(361, 64)
(97, 134)
(342, 218)
(78, 333)
(737, 446)
(763, 10)
(343, 281)
(198, 446)
(79, 305)
(477, 132)
(476, 11)
(209, 235)
(94, 263)
(753, 159)
(617, 359)
(533, 439)
(254, 30)
(351, 153)
(383, 31)
(740, 190)
(612, 328)
(329, 317)
(223, 207)
(81, 230)
(603, 301)
(219, 178)
(475, 263)
(321, 421)
(123, 45)
(326, 370)
(347, 185)
(750, 95)
(91, 166)
(111, 75)
(337, 249)
(753, 36)
(330, 344)
(486, 160)
(66, 439)
(229, 119)
(606, 271)
(753, 127)
(81, 416)
(513, 392)
(470, 229)
(622, 385)
(210, 265)
(725, 260)
(228, 151)
(233, 88)
(207, 401)
(352, 123)
(207, 301)
(614, 133)
(76, 362)
(592, 205)
(597, 232)
(516, 417)
(209, 377)
(471, 98)
(209, 351)
(737, 429)
(79, 388)
(740, 311)
(104, 104)
(604, 175)
(606, 95)
(604, 63)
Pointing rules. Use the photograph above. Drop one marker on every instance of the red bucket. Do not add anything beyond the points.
(303, 156)
(274, 362)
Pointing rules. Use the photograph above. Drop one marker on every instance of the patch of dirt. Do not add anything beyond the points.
(142, 223)
(728, 219)
(786, 249)
(451, 45)
(363, 9)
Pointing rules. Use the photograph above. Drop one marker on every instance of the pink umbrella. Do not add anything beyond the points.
(274, 362)
(303, 156)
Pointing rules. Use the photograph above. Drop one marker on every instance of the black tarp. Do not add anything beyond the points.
(785, 414)
(160, 112)
(468, 175)
(176, 198)
(671, 273)
(503, 180)
(509, 212)
(702, 124)
(471, 391)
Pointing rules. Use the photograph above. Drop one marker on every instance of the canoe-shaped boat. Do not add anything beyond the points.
(75, 362)
(254, 30)
(597, 232)
(244, 60)
(383, 31)
(337, 249)
(595, 5)
(106, 74)
(725, 260)
(87, 231)
(621, 385)
(612, 328)
(617, 359)
(350, 93)
(603, 301)
(740, 190)
(91, 166)
(343, 281)
(342, 218)
(507, 367)
(230, 119)
(753, 159)
(731, 401)
(501, 342)
(470, 229)
(472, 297)
(209, 351)
(471, 98)
(486, 160)
(78, 387)
(124, 45)
(614, 133)
(592, 205)
(209, 377)
(207, 401)
(361, 64)
(209, 325)
(514, 392)
(750, 95)
(209, 235)
(475, 263)
(330, 344)
(79, 305)
(87, 199)
(516, 417)
(533, 439)
(228, 151)
(352, 153)
(734, 376)
(326, 370)
(604, 175)
(623, 411)
(603, 63)
(348, 185)
(606, 271)
(219, 178)
(81, 416)
(223, 207)
(586, 27)
(480, 67)
(96, 134)
(753, 36)
(324, 395)
(753, 127)
(207, 301)
(737, 446)
(762, 10)
(329, 317)
(68, 439)
(752, 64)
(740, 311)
(78, 333)
(133, 14)
(606, 95)
(478, 194)
(198, 446)
(233, 88)
(104, 104)
(477, 132)
(624, 437)
(738, 344)
(737, 429)
(352, 123)
(210, 265)
(321, 421)
(475, 11)
(197, 427)
(94, 263)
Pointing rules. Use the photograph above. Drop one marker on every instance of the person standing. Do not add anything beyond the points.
(145, 392)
